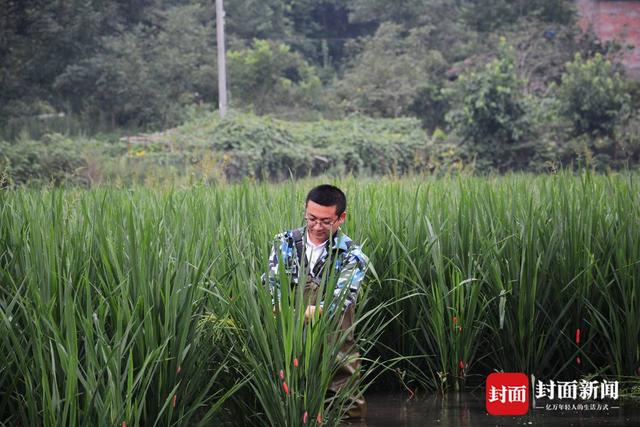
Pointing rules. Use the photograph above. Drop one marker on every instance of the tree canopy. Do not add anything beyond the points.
(143, 63)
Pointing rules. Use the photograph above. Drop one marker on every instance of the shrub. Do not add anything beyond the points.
(266, 148)
(54, 159)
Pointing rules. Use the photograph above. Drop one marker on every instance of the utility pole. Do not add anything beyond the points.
(222, 60)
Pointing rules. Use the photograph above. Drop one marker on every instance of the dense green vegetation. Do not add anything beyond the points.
(207, 150)
(133, 295)
(210, 150)
(146, 306)
(509, 85)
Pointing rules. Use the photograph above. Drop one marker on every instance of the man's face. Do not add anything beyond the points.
(322, 221)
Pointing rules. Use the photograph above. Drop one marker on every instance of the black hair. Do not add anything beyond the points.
(328, 195)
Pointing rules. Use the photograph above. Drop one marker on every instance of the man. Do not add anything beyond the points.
(307, 255)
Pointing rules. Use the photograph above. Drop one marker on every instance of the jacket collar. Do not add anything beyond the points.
(340, 240)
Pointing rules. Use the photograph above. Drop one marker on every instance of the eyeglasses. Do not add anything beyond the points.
(326, 223)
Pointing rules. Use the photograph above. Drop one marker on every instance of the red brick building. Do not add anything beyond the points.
(619, 20)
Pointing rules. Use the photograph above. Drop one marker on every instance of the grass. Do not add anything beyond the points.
(145, 306)
(289, 362)
(98, 307)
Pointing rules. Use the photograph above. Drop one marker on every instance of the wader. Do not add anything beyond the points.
(348, 354)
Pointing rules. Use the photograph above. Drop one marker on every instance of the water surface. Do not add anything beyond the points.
(468, 409)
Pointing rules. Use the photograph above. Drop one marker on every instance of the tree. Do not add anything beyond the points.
(542, 50)
(249, 19)
(269, 75)
(441, 17)
(38, 40)
(390, 71)
(144, 76)
(321, 28)
(488, 15)
(491, 115)
(407, 12)
(593, 96)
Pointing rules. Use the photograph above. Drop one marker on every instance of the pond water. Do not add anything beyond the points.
(467, 409)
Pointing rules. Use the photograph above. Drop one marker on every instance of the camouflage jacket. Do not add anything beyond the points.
(346, 257)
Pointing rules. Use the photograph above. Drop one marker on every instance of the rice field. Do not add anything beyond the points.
(145, 306)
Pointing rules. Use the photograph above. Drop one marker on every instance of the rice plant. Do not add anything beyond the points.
(145, 306)
(98, 311)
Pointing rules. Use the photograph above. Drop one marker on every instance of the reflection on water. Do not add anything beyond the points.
(466, 409)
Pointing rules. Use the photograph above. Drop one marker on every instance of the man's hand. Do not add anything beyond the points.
(311, 310)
